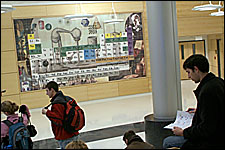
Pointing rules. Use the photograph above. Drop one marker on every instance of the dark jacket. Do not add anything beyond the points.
(137, 143)
(207, 130)
(56, 115)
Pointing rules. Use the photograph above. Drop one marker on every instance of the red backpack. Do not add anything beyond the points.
(74, 118)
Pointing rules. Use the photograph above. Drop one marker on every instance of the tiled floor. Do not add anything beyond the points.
(111, 112)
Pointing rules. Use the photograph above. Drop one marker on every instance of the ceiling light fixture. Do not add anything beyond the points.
(218, 13)
(114, 19)
(79, 16)
(6, 8)
(209, 6)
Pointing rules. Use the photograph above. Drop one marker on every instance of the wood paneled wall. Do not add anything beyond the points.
(189, 24)
(213, 53)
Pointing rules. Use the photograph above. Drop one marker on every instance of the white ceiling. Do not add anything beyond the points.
(29, 3)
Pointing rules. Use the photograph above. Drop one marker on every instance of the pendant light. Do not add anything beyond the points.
(114, 19)
(209, 6)
(218, 13)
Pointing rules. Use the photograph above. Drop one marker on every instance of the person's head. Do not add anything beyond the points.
(9, 108)
(51, 88)
(139, 69)
(76, 145)
(128, 135)
(197, 66)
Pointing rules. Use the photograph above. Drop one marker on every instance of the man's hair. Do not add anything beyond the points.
(76, 145)
(128, 135)
(52, 84)
(197, 60)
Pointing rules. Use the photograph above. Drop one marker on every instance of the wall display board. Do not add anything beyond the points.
(81, 51)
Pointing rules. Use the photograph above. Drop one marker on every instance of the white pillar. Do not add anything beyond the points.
(164, 58)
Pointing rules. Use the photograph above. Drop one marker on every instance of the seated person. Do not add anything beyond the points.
(134, 141)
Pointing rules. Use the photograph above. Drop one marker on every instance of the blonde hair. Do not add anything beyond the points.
(76, 145)
(9, 107)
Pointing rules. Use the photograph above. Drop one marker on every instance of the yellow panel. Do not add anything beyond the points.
(184, 9)
(199, 26)
(150, 84)
(137, 6)
(12, 98)
(98, 8)
(187, 52)
(10, 82)
(77, 92)
(34, 99)
(104, 90)
(55, 10)
(29, 11)
(6, 20)
(214, 69)
(212, 53)
(133, 86)
(8, 62)
(7, 39)
(120, 7)
(200, 47)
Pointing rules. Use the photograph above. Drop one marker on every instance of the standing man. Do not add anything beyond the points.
(56, 115)
(207, 129)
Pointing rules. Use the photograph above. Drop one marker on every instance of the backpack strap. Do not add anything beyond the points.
(61, 101)
(46, 107)
(7, 122)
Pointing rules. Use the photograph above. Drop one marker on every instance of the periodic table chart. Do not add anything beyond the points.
(65, 51)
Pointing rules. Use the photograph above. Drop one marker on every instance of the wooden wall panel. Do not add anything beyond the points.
(212, 53)
(222, 56)
(134, 6)
(12, 98)
(94, 8)
(190, 23)
(184, 9)
(6, 20)
(29, 12)
(80, 93)
(61, 10)
(200, 26)
(7, 39)
(120, 7)
(10, 82)
(98, 8)
(134, 86)
(9, 62)
(35, 99)
(102, 90)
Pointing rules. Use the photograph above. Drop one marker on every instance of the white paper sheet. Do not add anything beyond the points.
(183, 120)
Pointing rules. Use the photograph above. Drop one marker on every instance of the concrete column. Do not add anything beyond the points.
(164, 58)
(165, 70)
